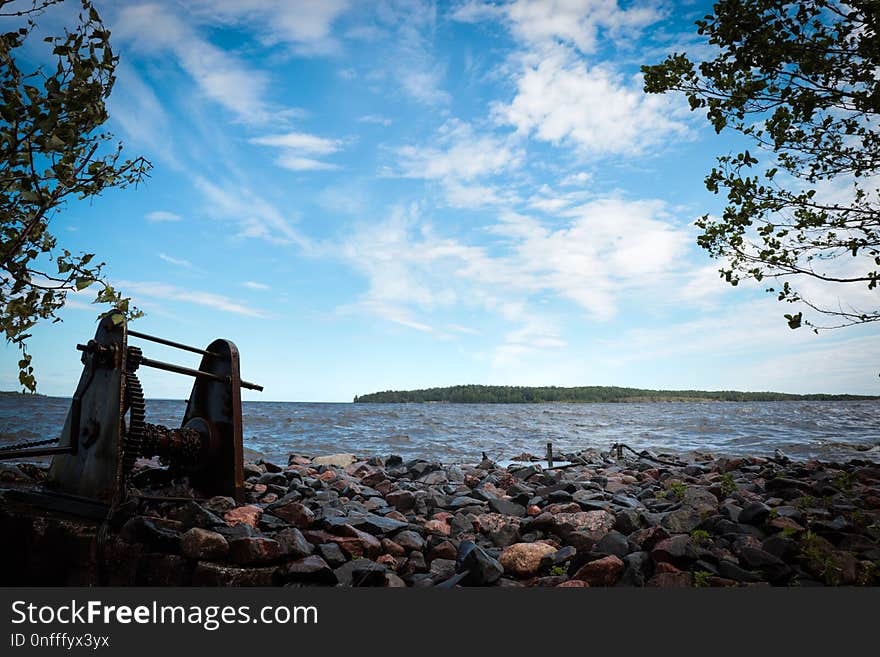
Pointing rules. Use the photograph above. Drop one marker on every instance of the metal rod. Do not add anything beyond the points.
(171, 343)
(39, 451)
(178, 369)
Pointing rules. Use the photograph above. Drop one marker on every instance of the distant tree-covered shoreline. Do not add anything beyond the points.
(480, 394)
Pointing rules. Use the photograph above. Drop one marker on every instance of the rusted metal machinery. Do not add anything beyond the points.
(105, 431)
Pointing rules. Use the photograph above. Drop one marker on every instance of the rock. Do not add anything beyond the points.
(293, 544)
(612, 543)
(361, 573)
(573, 584)
(393, 548)
(296, 513)
(501, 530)
(213, 574)
(253, 550)
(481, 568)
(627, 521)
(337, 460)
(754, 513)
(677, 550)
(442, 569)
(671, 580)
(247, 515)
(409, 540)
(681, 521)
(730, 570)
(332, 554)
(637, 569)
(561, 556)
(601, 572)
(403, 500)
(310, 570)
(149, 533)
(507, 507)
(192, 514)
(524, 559)
(443, 550)
(202, 544)
(583, 521)
(219, 504)
(699, 499)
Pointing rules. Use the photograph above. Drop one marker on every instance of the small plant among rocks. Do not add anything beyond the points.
(678, 488)
(701, 579)
(728, 485)
(700, 536)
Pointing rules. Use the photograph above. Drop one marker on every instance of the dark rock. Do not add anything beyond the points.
(292, 543)
(147, 531)
(409, 540)
(270, 523)
(403, 500)
(192, 514)
(253, 550)
(671, 580)
(481, 568)
(309, 570)
(560, 557)
(677, 550)
(332, 554)
(755, 513)
(361, 572)
(507, 507)
(612, 543)
(730, 570)
(202, 544)
(681, 521)
(442, 569)
(637, 569)
(780, 547)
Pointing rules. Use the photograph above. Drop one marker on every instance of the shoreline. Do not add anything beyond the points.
(341, 521)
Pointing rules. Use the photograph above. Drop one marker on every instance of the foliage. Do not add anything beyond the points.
(477, 394)
(702, 578)
(798, 79)
(678, 489)
(728, 485)
(558, 570)
(700, 536)
(50, 151)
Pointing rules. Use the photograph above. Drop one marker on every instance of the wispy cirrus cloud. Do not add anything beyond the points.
(299, 150)
(163, 216)
(168, 292)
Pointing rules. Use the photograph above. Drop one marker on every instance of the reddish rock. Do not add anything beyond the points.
(388, 560)
(524, 559)
(443, 550)
(248, 515)
(268, 498)
(253, 550)
(601, 572)
(665, 567)
(396, 515)
(671, 580)
(404, 500)
(296, 513)
(200, 543)
(384, 487)
(573, 584)
(354, 543)
(584, 521)
(327, 475)
(392, 548)
(438, 527)
(567, 507)
(533, 510)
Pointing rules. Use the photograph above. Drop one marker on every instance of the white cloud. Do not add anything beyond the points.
(606, 251)
(255, 216)
(153, 29)
(168, 292)
(162, 215)
(253, 285)
(178, 262)
(297, 147)
(376, 119)
(306, 25)
(562, 100)
(573, 22)
(461, 154)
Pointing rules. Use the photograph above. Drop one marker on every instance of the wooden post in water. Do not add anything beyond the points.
(549, 455)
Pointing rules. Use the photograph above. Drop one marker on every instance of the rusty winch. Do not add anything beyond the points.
(105, 431)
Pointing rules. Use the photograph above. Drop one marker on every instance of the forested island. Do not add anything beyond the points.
(480, 394)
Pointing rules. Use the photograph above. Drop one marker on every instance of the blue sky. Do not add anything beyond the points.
(402, 194)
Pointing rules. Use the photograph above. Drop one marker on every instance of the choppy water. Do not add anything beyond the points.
(460, 432)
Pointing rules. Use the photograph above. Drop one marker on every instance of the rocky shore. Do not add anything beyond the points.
(342, 521)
